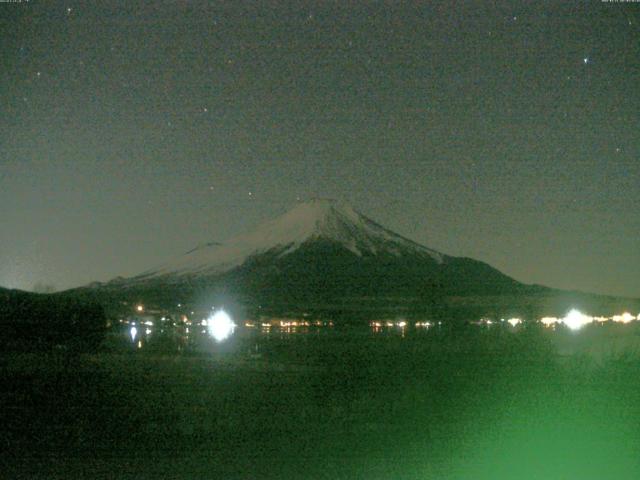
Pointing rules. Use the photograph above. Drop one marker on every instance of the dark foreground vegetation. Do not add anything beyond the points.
(474, 404)
(40, 322)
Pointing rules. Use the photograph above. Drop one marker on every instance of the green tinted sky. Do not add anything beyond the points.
(507, 132)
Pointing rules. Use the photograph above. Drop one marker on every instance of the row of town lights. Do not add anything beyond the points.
(576, 319)
(573, 320)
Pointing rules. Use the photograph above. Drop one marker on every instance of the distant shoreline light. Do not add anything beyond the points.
(575, 319)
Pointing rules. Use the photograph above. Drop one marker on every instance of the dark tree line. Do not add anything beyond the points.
(39, 322)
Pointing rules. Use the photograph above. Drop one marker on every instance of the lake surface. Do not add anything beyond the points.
(341, 402)
(599, 342)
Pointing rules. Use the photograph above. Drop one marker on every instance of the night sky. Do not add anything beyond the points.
(510, 133)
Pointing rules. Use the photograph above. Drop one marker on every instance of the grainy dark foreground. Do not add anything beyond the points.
(469, 405)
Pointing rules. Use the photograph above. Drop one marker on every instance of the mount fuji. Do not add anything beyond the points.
(319, 220)
(320, 253)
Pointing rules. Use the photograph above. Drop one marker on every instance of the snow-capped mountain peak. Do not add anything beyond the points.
(317, 219)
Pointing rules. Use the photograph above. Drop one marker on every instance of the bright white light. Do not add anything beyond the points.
(147, 331)
(140, 308)
(514, 321)
(575, 320)
(220, 326)
(133, 332)
(402, 324)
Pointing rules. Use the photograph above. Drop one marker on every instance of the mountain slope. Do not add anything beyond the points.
(321, 253)
(324, 257)
(326, 220)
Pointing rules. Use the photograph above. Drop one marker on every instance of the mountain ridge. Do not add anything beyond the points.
(323, 256)
(325, 219)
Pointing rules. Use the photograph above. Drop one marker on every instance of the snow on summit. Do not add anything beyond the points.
(312, 220)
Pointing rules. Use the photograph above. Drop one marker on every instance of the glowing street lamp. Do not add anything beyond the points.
(220, 326)
(626, 317)
(575, 320)
(514, 321)
(549, 321)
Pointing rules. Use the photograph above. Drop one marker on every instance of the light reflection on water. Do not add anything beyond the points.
(219, 335)
(251, 342)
